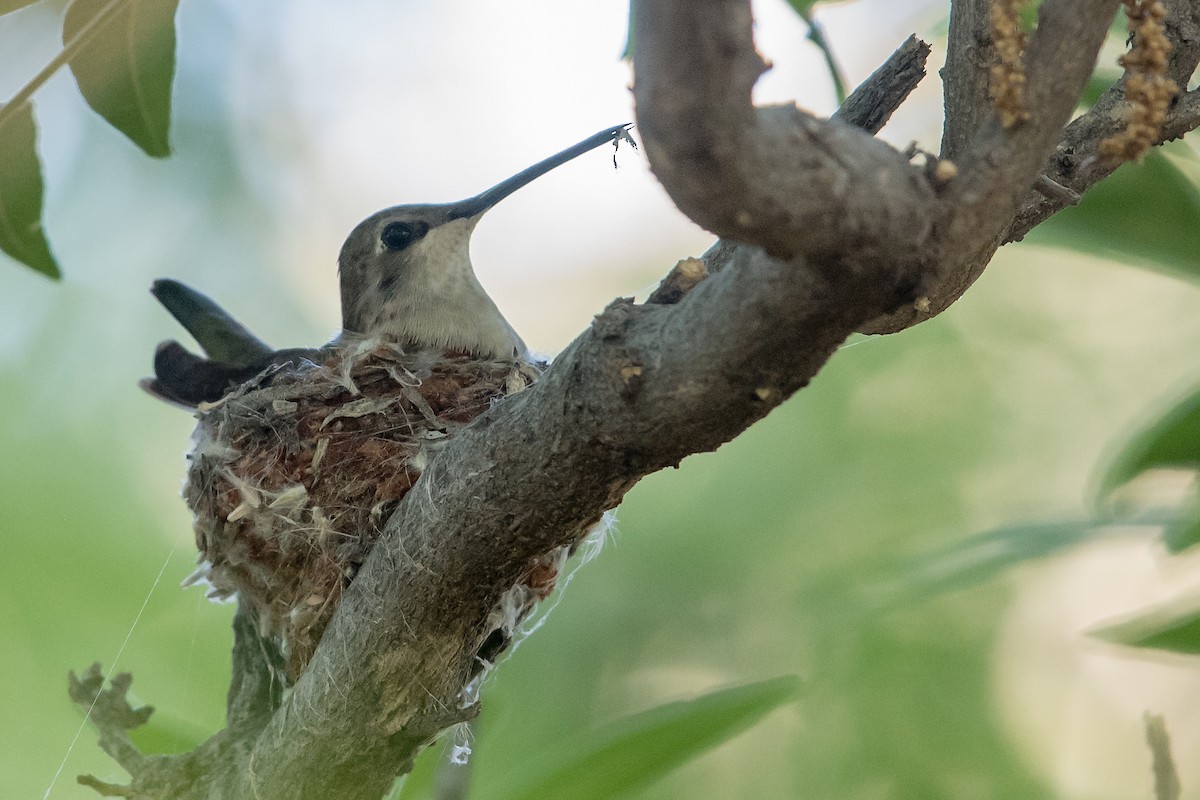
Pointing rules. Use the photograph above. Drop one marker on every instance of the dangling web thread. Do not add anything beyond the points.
(591, 546)
(111, 669)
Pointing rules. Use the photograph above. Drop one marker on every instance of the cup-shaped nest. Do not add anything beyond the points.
(294, 474)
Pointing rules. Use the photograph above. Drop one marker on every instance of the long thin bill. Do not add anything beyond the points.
(482, 202)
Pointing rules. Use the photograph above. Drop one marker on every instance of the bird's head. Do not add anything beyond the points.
(406, 275)
(406, 271)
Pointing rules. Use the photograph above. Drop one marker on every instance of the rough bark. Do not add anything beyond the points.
(826, 231)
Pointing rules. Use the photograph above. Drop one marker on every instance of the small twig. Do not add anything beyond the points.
(77, 43)
(1166, 779)
(113, 717)
(1048, 187)
(872, 104)
(104, 788)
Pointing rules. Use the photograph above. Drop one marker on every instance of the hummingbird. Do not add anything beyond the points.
(291, 487)
(405, 276)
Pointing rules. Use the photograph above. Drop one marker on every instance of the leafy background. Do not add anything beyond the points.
(917, 537)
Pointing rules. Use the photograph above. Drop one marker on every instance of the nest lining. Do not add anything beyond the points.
(292, 483)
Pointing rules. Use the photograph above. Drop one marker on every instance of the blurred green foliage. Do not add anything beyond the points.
(122, 54)
(12, 5)
(1170, 442)
(1147, 214)
(633, 752)
(1170, 628)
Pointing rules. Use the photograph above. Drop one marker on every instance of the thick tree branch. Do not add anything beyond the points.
(774, 177)
(969, 55)
(868, 107)
(640, 390)
(1069, 169)
(1076, 163)
(999, 165)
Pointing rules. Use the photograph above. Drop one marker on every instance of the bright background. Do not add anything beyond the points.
(780, 554)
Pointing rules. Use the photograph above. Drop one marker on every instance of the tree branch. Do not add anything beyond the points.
(872, 104)
(999, 164)
(644, 387)
(970, 53)
(1076, 163)
(775, 177)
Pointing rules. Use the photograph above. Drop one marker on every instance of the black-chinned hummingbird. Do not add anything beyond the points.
(405, 276)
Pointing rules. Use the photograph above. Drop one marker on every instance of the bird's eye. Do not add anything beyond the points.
(399, 235)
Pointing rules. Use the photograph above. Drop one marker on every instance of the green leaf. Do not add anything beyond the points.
(1182, 533)
(983, 557)
(125, 68)
(1146, 214)
(1172, 628)
(21, 234)
(1171, 441)
(634, 751)
(8, 6)
(802, 7)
